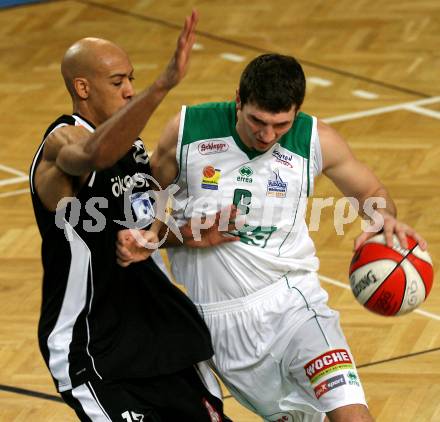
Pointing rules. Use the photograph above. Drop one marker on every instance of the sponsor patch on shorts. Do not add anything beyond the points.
(328, 363)
(329, 384)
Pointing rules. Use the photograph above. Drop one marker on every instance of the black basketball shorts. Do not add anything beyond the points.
(181, 396)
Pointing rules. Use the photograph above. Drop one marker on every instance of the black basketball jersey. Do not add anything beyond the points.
(99, 320)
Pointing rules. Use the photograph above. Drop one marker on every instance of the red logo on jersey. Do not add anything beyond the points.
(333, 358)
(328, 385)
(212, 147)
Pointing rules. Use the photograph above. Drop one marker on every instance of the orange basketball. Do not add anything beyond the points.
(390, 280)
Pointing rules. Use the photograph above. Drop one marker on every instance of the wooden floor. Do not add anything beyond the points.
(373, 71)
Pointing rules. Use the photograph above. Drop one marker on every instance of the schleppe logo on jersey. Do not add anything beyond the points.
(327, 363)
(212, 147)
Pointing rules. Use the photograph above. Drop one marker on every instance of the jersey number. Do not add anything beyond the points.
(132, 416)
(251, 235)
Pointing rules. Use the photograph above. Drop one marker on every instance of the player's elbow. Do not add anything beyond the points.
(101, 161)
(101, 156)
(73, 163)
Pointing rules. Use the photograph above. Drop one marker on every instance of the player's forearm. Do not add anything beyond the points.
(386, 205)
(114, 137)
(171, 239)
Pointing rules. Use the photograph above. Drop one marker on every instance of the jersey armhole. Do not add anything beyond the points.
(315, 166)
(80, 121)
(37, 158)
(179, 143)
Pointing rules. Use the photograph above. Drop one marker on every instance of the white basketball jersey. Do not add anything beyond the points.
(270, 190)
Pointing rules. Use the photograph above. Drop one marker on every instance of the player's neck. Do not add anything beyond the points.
(83, 110)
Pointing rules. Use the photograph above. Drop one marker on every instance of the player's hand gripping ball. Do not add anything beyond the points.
(390, 281)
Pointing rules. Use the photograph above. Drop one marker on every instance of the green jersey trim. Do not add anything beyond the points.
(213, 120)
(297, 139)
(208, 121)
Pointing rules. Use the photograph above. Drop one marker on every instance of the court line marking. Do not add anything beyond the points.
(251, 47)
(366, 95)
(347, 287)
(14, 193)
(198, 46)
(409, 355)
(425, 111)
(13, 180)
(315, 80)
(236, 58)
(30, 393)
(20, 177)
(13, 171)
(409, 106)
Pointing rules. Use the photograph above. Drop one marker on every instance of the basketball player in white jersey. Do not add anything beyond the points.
(278, 347)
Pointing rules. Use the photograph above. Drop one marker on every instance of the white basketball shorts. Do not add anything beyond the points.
(281, 351)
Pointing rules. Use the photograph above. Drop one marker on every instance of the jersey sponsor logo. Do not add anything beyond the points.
(212, 147)
(211, 177)
(353, 378)
(328, 385)
(120, 186)
(285, 159)
(276, 186)
(142, 207)
(327, 363)
(213, 414)
(245, 174)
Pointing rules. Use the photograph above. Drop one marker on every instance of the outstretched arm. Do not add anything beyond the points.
(355, 179)
(73, 152)
(115, 137)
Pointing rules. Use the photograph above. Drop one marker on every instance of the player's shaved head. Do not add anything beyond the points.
(86, 58)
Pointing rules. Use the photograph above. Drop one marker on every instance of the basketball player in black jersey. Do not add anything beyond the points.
(121, 343)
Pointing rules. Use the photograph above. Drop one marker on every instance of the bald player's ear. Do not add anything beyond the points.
(81, 86)
(237, 100)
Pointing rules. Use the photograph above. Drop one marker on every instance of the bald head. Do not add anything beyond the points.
(88, 58)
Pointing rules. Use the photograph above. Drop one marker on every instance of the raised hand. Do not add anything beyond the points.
(178, 65)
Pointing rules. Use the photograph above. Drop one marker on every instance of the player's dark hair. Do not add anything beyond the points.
(273, 82)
